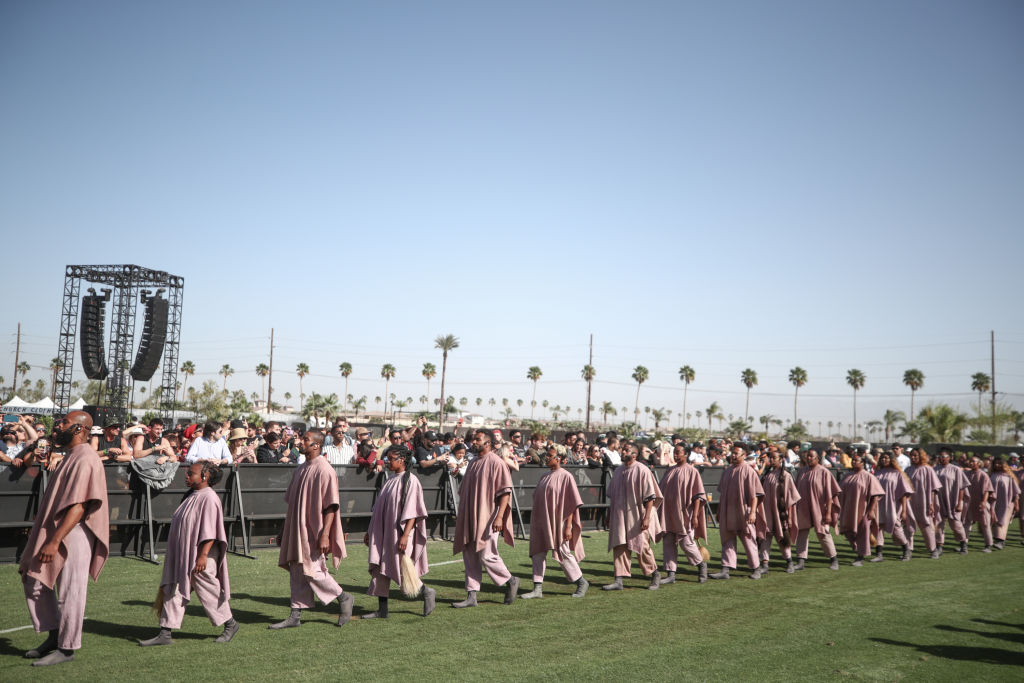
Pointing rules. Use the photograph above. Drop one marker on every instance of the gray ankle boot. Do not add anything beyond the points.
(724, 574)
(470, 601)
(294, 619)
(615, 585)
(162, 638)
(581, 587)
(702, 572)
(669, 578)
(537, 592)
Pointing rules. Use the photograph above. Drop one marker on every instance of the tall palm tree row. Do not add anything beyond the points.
(640, 375)
(262, 370)
(188, 368)
(533, 373)
(588, 374)
(855, 378)
(981, 383)
(446, 343)
(686, 375)
(301, 370)
(429, 372)
(345, 369)
(387, 371)
(914, 379)
(749, 379)
(798, 378)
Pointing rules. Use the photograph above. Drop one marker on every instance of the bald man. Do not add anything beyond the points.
(69, 542)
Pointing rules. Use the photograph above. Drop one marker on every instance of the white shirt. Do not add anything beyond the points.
(340, 455)
(903, 460)
(696, 457)
(203, 449)
(791, 457)
(613, 456)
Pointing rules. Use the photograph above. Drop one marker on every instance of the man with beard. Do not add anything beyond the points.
(818, 508)
(682, 516)
(859, 494)
(483, 514)
(739, 495)
(555, 526)
(312, 529)
(954, 497)
(69, 542)
(632, 496)
(780, 499)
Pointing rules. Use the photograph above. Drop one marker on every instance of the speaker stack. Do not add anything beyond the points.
(151, 346)
(91, 335)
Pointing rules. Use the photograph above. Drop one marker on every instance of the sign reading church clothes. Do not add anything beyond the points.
(17, 406)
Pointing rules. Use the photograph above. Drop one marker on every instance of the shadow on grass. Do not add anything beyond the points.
(7, 649)
(984, 655)
(196, 610)
(129, 632)
(1011, 637)
(989, 622)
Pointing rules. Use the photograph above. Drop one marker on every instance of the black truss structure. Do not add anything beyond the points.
(126, 282)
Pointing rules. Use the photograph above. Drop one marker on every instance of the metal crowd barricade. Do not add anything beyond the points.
(20, 492)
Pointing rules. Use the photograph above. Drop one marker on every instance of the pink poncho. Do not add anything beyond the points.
(682, 486)
(981, 494)
(856, 491)
(555, 498)
(896, 486)
(631, 487)
(486, 480)
(953, 481)
(738, 485)
(926, 484)
(779, 494)
(312, 492)
(78, 479)
(388, 522)
(199, 518)
(1006, 491)
(817, 487)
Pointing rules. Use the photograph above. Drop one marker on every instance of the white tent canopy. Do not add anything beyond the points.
(16, 405)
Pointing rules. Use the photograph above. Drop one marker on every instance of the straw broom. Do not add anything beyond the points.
(411, 584)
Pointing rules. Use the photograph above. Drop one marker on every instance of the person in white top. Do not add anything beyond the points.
(696, 456)
(342, 450)
(209, 447)
(901, 458)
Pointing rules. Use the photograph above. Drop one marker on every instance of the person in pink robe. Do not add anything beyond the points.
(555, 526)
(779, 510)
(1005, 500)
(954, 499)
(483, 515)
(633, 494)
(312, 530)
(739, 495)
(858, 496)
(682, 516)
(894, 510)
(924, 503)
(818, 509)
(979, 509)
(69, 542)
(196, 559)
(397, 528)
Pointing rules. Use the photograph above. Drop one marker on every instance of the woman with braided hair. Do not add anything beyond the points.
(780, 499)
(397, 537)
(196, 559)
(894, 513)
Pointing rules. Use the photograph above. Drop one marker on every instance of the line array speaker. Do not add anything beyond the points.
(90, 332)
(151, 346)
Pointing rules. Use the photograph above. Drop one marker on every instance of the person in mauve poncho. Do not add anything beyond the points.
(818, 509)
(859, 494)
(483, 514)
(555, 526)
(954, 499)
(894, 513)
(397, 529)
(632, 521)
(196, 559)
(312, 530)
(1005, 501)
(682, 516)
(779, 506)
(925, 501)
(69, 542)
(739, 496)
(979, 508)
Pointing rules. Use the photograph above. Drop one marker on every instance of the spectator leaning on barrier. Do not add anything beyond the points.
(241, 452)
(210, 446)
(341, 450)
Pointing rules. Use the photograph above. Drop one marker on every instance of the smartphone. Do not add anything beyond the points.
(10, 418)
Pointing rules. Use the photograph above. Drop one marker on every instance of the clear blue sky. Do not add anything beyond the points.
(724, 185)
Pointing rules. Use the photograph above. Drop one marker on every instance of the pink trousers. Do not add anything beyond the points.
(927, 531)
(729, 537)
(898, 534)
(565, 558)
(321, 584)
(765, 546)
(954, 524)
(861, 539)
(828, 546)
(207, 589)
(624, 560)
(66, 612)
(671, 544)
(476, 561)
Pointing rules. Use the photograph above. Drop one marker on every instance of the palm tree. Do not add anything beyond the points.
(446, 343)
(345, 369)
(287, 397)
(225, 372)
(798, 378)
(387, 371)
(766, 420)
(23, 368)
(855, 378)
(262, 371)
(545, 404)
(55, 365)
(588, 374)
(533, 373)
(519, 403)
(914, 379)
(981, 383)
(358, 404)
(686, 375)
(301, 370)
(749, 379)
(890, 419)
(713, 411)
(607, 409)
(188, 368)
(640, 375)
(429, 372)
(658, 415)
(463, 402)
(941, 424)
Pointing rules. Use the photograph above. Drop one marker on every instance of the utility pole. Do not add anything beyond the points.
(270, 373)
(17, 352)
(995, 438)
(591, 364)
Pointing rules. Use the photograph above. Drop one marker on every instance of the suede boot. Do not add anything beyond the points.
(581, 587)
(382, 610)
(470, 601)
(294, 619)
(162, 638)
(537, 592)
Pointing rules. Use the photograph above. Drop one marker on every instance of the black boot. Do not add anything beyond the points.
(294, 619)
(906, 553)
(230, 629)
(702, 572)
(878, 554)
(162, 638)
(48, 646)
(382, 610)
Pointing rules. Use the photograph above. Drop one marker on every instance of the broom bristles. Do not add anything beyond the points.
(411, 584)
(158, 604)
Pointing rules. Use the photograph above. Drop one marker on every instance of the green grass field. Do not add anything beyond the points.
(956, 618)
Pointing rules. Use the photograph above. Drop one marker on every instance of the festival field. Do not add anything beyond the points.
(958, 618)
